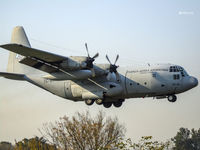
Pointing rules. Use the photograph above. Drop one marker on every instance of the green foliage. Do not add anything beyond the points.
(187, 140)
(145, 143)
(34, 144)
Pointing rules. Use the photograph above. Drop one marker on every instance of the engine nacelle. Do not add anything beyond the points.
(74, 63)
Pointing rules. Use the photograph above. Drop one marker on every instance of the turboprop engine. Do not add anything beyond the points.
(74, 63)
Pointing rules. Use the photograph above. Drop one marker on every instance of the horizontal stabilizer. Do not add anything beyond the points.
(12, 76)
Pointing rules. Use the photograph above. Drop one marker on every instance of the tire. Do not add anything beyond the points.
(89, 102)
(172, 98)
(99, 101)
(107, 104)
(121, 100)
(117, 104)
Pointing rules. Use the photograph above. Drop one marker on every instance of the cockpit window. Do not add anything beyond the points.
(173, 69)
(178, 69)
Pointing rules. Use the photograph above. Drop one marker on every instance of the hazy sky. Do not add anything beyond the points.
(141, 31)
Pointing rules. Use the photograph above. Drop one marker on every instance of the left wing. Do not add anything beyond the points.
(45, 61)
(35, 53)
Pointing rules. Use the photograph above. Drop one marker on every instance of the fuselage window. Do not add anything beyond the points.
(182, 74)
(154, 75)
(176, 76)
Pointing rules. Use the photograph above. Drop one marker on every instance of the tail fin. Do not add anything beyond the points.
(18, 37)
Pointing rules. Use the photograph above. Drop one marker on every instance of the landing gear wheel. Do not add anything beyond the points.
(117, 104)
(121, 100)
(89, 101)
(172, 98)
(99, 101)
(107, 104)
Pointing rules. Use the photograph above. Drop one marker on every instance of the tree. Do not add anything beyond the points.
(35, 143)
(82, 132)
(187, 140)
(145, 143)
(6, 146)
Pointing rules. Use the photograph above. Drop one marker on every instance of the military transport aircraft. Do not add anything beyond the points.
(77, 78)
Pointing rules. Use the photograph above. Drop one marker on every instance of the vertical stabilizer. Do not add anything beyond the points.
(18, 37)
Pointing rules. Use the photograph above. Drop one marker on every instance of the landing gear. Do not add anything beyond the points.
(117, 103)
(89, 101)
(107, 104)
(172, 98)
(99, 101)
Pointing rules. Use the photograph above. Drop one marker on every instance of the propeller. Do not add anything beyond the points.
(89, 61)
(113, 68)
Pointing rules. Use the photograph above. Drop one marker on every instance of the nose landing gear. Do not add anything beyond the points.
(172, 98)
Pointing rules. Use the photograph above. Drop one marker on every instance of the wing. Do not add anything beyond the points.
(35, 53)
(45, 61)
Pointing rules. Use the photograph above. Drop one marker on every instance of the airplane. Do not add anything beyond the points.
(78, 78)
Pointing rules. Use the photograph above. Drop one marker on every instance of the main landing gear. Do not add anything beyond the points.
(89, 101)
(117, 103)
(172, 98)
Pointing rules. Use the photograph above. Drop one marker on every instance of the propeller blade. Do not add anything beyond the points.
(95, 56)
(93, 72)
(87, 49)
(108, 77)
(116, 59)
(108, 59)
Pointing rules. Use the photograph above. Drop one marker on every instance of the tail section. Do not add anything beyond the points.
(18, 37)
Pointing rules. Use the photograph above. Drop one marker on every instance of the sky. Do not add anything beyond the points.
(140, 31)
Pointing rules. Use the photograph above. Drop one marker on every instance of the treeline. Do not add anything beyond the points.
(83, 132)
(35, 143)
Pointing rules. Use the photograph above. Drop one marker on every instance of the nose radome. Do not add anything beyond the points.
(194, 81)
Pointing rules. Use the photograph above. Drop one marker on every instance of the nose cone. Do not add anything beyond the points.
(193, 81)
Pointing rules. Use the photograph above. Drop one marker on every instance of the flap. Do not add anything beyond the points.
(37, 64)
